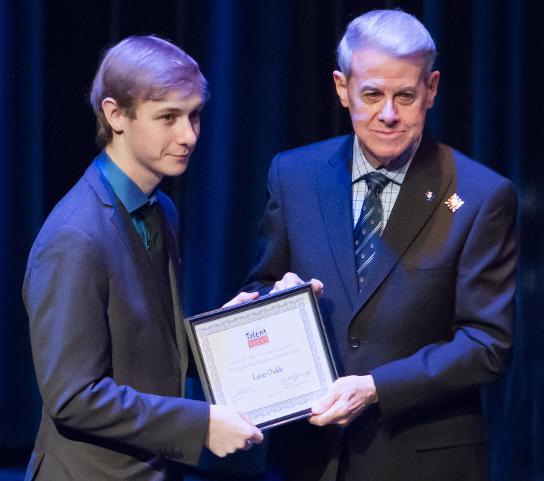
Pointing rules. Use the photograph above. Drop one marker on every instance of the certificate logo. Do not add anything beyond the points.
(257, 338)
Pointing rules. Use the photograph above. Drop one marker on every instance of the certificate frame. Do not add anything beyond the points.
(269, 358)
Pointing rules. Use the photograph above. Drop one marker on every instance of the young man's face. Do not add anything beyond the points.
(160, 138)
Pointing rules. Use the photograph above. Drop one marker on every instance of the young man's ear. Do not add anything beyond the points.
(114, 114)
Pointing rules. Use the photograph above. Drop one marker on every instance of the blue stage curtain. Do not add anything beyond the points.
(21, 212)
(269, 65)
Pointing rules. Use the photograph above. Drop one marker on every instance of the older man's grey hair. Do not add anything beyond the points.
(394, 32)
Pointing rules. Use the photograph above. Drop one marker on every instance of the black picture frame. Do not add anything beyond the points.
(288, 314)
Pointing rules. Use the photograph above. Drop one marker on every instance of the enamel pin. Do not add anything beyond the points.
(454, 202)
(429, 196)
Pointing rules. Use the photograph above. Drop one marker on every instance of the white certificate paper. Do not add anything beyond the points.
(269, 360)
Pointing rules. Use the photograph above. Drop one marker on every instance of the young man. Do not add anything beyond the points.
(101, 289)
(415, 245)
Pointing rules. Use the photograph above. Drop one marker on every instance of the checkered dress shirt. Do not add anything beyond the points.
(360, 167)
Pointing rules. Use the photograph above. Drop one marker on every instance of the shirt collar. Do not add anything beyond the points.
(130, 195)
(361, 166)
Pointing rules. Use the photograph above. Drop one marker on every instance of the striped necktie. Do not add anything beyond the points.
(369, 225)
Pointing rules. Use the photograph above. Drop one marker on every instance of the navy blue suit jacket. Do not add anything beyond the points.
(432, 323)
(110, 358)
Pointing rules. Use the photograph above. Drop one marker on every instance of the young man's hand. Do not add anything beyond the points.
(229, 431)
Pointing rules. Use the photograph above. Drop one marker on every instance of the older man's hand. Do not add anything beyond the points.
(241, 297)
(290, 279)
(346, 399)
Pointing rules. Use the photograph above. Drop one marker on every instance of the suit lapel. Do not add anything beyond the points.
(175, 276)
(334, 192)
(411, 211)
(135, 248)
(143, 264)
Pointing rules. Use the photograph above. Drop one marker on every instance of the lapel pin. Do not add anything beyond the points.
(454, 202)
(429, 196)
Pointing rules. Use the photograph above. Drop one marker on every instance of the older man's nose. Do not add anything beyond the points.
(388, 114)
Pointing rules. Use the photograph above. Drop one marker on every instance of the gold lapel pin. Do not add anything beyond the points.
(454, 202)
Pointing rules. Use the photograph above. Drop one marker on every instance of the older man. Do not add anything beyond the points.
(101, 289)
(414, 244)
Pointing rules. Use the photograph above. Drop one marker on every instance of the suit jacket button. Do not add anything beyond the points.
(354, 342)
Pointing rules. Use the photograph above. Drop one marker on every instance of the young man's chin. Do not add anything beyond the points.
(178, 168)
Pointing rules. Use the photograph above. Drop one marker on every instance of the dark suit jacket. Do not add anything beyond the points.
(110, 359)
(432, 324)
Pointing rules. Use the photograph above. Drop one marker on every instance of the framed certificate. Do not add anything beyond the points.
(269, 358)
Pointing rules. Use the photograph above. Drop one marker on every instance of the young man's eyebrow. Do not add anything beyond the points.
(169, 110)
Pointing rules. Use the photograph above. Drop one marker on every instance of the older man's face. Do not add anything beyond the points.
(388, 99)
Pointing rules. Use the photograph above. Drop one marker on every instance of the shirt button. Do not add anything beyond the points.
(354, 342)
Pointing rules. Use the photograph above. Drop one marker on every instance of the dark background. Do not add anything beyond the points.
(269, 65)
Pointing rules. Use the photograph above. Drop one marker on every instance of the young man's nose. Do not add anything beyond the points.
(185, 133)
